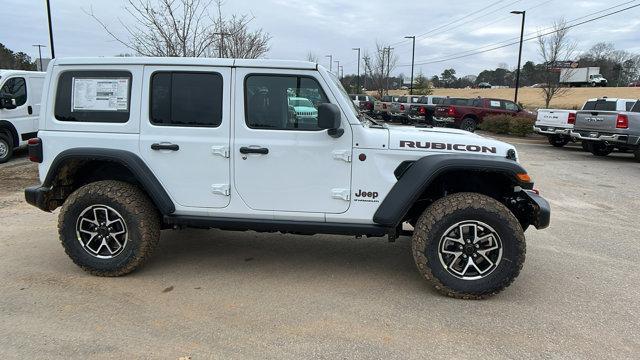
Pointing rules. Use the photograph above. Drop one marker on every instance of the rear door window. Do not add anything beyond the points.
(510, 106)
(629, 105)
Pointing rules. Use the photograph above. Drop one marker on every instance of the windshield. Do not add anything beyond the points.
(300, 102)
(344, 94)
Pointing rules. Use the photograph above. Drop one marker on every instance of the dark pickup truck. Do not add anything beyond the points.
(467, 114)
(424, 109)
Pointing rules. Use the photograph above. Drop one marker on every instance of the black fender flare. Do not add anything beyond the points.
(417, 177)
(4, 124)
(131, 161)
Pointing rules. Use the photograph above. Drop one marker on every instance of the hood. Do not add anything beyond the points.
(444, 140)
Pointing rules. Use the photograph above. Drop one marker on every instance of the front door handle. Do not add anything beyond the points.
(172, 147)
(254, 150)
(29, 110)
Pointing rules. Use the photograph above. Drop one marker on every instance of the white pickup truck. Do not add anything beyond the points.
(556, 124)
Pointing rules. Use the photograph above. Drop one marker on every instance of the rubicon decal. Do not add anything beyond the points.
(446, 146)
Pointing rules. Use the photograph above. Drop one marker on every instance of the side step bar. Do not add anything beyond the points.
(283, 226)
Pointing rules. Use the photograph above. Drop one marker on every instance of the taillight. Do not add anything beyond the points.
(451, 111)
(422, 110)
(572, 119)
(622, 121)
(401, 107)
(35, 149)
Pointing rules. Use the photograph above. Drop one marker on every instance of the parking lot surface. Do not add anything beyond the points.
(239, 295)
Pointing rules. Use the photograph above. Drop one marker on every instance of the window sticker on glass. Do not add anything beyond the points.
(105, 94)
(495, 103)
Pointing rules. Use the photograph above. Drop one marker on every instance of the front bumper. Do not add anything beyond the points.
(541, 216)
(38, 196)
(550, 130)
(621, 139)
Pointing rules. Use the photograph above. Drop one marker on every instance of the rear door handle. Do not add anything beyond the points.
(172, 147)
(254, 150)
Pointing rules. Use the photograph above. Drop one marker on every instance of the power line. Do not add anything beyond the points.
(526, 39)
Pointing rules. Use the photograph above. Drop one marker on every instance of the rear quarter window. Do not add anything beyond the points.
(93, 96)
(636, 107)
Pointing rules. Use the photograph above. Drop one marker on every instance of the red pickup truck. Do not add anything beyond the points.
(466, 114)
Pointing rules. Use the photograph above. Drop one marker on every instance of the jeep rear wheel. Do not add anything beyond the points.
(468, 124)
(6, 147)
(109, 228)
(558, 140)
(469, 246)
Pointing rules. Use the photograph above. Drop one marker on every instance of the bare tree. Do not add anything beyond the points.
(312, 57)
(379, 67)
(553, 48)
(185, 28)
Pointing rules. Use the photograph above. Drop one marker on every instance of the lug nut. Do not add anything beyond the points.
(477, 246)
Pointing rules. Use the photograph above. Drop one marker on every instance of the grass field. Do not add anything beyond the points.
(532, 98)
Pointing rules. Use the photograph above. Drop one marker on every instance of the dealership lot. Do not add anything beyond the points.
(217, 294)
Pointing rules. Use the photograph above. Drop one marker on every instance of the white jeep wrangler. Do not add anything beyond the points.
(130, 146)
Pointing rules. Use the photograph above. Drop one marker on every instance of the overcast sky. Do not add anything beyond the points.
(335, 27)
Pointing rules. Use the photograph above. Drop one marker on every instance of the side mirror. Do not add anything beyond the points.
(6, 102)
(329, 118)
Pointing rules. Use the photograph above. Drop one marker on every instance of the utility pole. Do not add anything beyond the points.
(221, 47)
(341, 70)
(53, 55)
(523, 13)
(330, 62)
(40, 46)
(388, 66)
(358, 81)
(338, 68)
(413, 58)
(384, 50)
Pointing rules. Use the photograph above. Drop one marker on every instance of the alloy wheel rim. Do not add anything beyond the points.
(4, 149)
(102, 231)
(470, 250)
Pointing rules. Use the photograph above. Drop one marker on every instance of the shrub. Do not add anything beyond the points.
(498, 124)
(505, 124)
(521, 126)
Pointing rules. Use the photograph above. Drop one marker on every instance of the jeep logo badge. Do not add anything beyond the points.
(367, 194)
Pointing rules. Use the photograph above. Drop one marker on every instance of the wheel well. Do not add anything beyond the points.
(496, 185)
(75, 173)
(8, 128)
(470, 116)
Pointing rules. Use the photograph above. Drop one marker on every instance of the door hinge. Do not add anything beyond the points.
(220, 150)
(222, 189)
(344, 194)
(344, 155)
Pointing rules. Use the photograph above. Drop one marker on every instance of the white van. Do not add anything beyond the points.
(20, 94)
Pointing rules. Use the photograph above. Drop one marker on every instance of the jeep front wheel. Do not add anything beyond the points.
(469, 246)
(109, 228)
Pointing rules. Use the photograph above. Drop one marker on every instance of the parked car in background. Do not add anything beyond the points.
(634, 84)
(539, 86)
(467, 114)
(399, 109)
(556, 125)
(382, 107)
(484, 85)
(357, 98)
(367, 105)
(20, 93)
(609, 124)
(424, 109)
(304, 109)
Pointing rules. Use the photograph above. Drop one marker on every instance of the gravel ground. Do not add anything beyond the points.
(233, 295)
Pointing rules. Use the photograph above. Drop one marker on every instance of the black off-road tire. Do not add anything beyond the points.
(600, 149)
(468, 124)
(636, 154)
(558, 140)
(140, 216)
(6, 141)
(448, 211)
(585, 145)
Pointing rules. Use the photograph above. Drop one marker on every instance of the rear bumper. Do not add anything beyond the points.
(550, 130)
(541, 216)
(37, 196)
(447, 120)
(621, 139)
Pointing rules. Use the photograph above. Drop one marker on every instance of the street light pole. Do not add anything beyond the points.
(341, 70)
(388, 65)
(523, 13)
(358, 81)
(338, 68)
(40, 46)
(53, 55)
(330, 62)
(413, 57)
